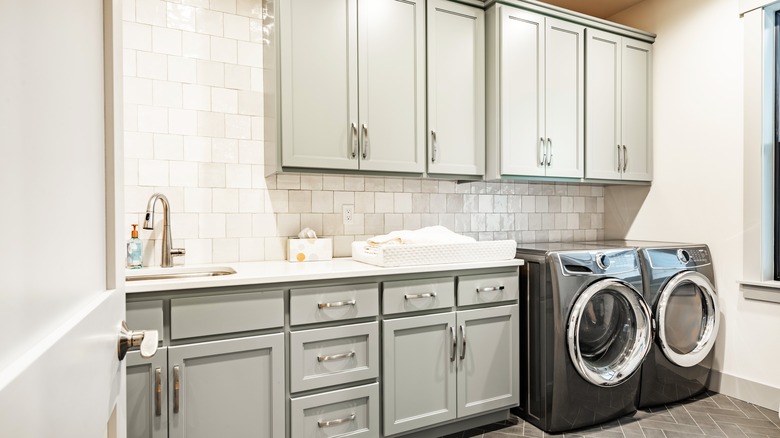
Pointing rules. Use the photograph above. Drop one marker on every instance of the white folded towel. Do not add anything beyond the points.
(428, 235)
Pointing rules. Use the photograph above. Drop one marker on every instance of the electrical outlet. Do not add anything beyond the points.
(348, 216)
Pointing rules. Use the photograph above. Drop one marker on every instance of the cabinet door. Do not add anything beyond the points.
(391, 65)
(564, 98)
(419, 372)
(636, 102)
(227, 388)
(521, 88)
(456, 88)
(603, 142)
(147, 408)
(319, 83)
(488, 365)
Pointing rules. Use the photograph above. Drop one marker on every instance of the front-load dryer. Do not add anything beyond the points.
(678, 286)
(585, 330)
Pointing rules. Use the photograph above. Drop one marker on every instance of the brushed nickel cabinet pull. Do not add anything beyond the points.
(157, 392)
(463, 341)
(176, 388)
(454, 339)
(424, 295)
(550, 148)
(336, 304)
(434, 147)
(490, 289)
(542, 152)
(354, 140)
(327, 423)
(336, 356)
(618, 160)
(365, 141)
(625, 158)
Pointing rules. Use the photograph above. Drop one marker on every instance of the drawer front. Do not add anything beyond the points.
(232, 313)
(488, 288)
(332, 356)
(352, 412)
(412, 295)
(145, 315)
(333, 303)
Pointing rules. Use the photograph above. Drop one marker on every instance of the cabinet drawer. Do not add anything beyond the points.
(352, 412)
(488, 288)
(332, 356)
(333, 303)
(232, 313)
(413, 295)
(145, 315)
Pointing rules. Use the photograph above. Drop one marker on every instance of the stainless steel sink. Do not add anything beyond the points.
(172, 274)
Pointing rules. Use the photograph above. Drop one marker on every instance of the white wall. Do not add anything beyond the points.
(697, 191)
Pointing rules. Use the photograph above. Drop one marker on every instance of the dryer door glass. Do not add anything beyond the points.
(609, 332)
(688, 318)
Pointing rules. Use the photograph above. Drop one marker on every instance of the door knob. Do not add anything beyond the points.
(146, 339)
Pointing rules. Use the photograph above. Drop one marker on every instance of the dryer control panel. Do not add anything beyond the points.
(676, 258)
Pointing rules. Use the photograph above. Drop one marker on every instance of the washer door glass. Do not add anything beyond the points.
(609, 332)
(688, 318)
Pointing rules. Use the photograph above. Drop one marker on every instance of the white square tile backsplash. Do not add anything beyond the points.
(194, 130)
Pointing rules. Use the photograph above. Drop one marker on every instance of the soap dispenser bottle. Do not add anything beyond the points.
(134, 250)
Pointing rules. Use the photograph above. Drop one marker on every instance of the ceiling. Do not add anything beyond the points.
(596, 8)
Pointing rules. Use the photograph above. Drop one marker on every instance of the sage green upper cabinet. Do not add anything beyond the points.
(618, 143)
(353, 84)
(535, 95)
(456, 89)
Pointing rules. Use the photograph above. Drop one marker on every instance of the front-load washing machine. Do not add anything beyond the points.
(585, 330)
(678, 286)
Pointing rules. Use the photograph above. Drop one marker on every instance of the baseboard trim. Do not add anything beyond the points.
(743, 389)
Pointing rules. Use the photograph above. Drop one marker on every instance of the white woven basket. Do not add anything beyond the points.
(407, 255)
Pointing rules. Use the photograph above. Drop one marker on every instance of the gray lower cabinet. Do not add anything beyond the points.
(232, 388)
(147, 408)
(452, 365)
(420, 360)
(488, 363)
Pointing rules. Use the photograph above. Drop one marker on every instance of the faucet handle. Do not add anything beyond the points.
(178, 252)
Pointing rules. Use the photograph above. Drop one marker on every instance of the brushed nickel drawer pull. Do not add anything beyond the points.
(157, 392)
(176, 387)
(351, 417)
(336, 304)
(424, 295)
(434, 147)
(454, 338)
(490, 289)
(336, 356)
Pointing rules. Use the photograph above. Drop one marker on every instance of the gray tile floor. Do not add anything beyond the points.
(707, 415)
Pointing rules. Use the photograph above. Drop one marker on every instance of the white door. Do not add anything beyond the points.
(62, 303)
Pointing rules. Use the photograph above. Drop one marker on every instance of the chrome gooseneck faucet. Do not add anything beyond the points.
(167, 252)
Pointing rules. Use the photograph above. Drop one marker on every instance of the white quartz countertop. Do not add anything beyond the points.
(282, 272)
